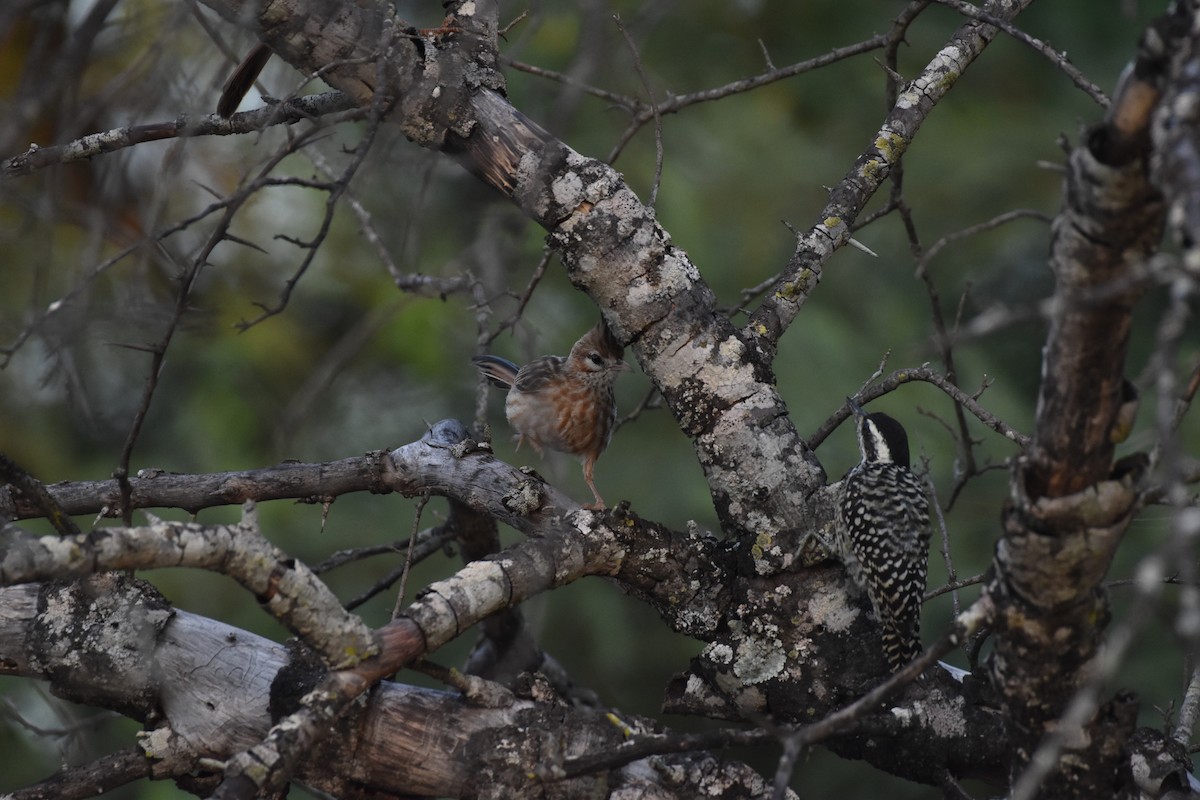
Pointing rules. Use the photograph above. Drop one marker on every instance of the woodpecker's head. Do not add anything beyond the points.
(881, 439)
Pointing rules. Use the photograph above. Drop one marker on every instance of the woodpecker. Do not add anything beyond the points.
(882, 532)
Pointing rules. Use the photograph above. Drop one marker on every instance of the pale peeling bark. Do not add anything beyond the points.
(778, 646)
(288, 589)
(767, 637)
(721, 391)
(117, 644)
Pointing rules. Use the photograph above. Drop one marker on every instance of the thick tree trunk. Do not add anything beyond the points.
(1068, 509)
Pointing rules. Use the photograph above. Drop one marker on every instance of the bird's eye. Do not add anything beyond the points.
(596, 360)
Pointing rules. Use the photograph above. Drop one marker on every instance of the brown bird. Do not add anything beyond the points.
(564, 403)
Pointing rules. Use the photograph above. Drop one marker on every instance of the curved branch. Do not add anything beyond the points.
(292, 593)
(930, 376)
(1037, 45)
(105, 774)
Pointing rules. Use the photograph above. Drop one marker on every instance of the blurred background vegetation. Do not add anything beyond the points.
(352, 364)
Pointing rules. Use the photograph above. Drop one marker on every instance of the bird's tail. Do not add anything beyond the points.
(242, 79)
(902, 639)
(499, 371)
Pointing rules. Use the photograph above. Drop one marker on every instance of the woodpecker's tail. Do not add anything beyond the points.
(499, 371)
(902, 640)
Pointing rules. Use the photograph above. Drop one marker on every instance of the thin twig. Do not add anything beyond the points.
(658, 137)
(1058, 59)
(340, 558)
(429, 542)
(974, 580)
(603, 94)
(408, 557)
(945, 338)
(417, 283)
(947, 559)
(158, 351)
(652, 400)
(335, 191)
(675, 103)
(928, 375)
(94, 144)
(538, 273)
(997, 221)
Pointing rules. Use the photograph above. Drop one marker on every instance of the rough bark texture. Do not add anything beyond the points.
(1068, 511)
(780, 646)
(289, 590)
(314, 483)
(172, 669)
(1111, 221)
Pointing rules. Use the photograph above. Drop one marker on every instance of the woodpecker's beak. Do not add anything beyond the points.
(855, 408)
(622, 366)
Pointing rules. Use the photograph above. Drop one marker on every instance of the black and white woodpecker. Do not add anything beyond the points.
(882, 532)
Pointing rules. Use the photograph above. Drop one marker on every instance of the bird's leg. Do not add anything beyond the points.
(588, 464)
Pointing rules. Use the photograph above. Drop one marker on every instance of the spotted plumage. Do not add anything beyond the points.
(564, 403)
(882, 530)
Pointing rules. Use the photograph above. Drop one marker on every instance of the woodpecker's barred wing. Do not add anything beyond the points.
(913, 512)
(539, 373)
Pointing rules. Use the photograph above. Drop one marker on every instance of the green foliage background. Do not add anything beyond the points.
(353, 365)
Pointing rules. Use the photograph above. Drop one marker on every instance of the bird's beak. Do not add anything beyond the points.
(855, 408)
(622, 366)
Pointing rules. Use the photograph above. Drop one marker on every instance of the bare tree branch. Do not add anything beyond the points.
(287, 112)
(1055, 57)
(287, 589)
(802, 274)
(927, 375)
